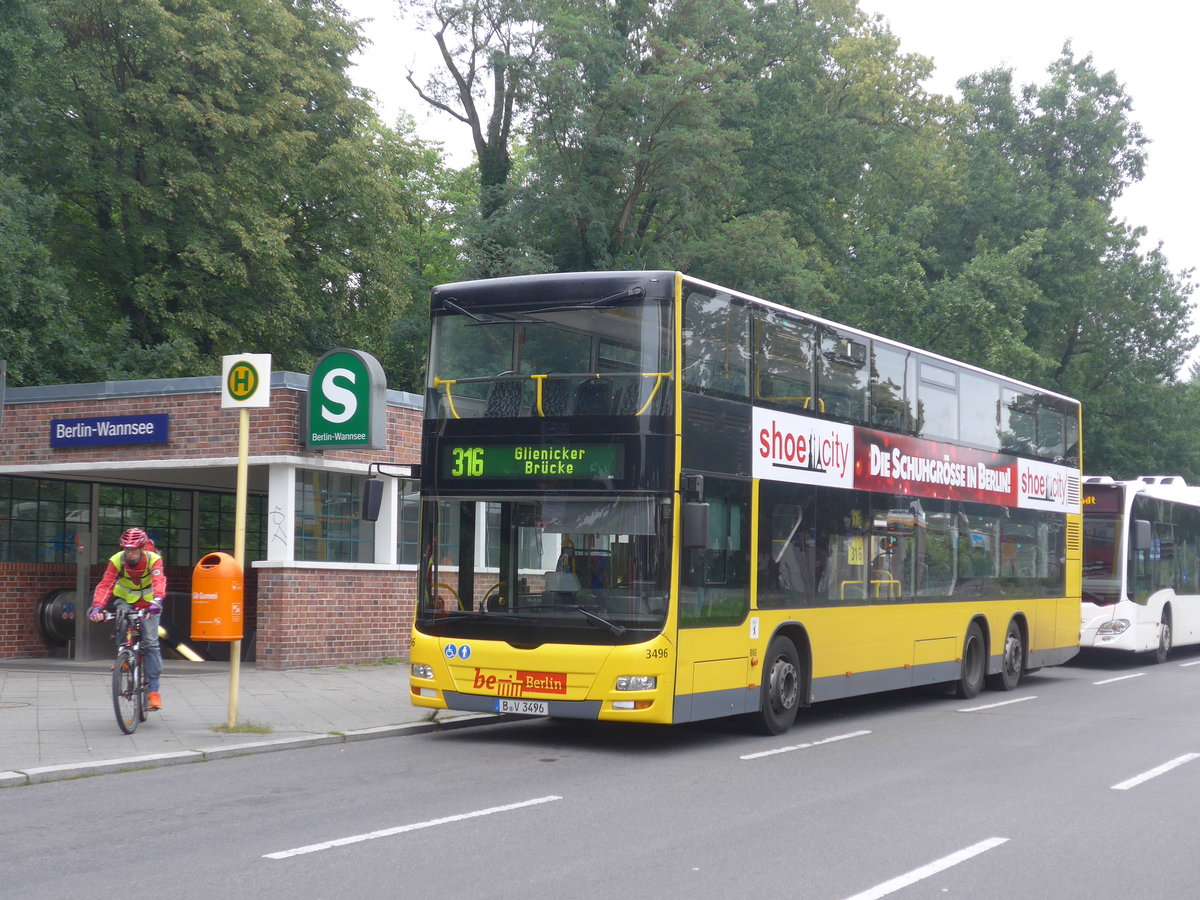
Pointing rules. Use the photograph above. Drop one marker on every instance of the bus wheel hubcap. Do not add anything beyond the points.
(1012, 655)
(785, 685)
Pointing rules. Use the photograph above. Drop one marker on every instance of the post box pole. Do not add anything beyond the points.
(239, 552)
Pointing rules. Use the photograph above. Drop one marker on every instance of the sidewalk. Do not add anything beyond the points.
(57, 719)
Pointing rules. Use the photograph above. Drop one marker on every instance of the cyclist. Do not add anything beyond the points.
(134, 575)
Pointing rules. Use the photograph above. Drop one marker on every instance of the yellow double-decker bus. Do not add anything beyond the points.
(646, 498)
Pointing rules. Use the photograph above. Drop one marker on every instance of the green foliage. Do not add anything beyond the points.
(1098, 317)
(980, 314)
(632, 158)
(220, 185)
(34, 337)
(789, 149)
(488, 48)
(180, 179)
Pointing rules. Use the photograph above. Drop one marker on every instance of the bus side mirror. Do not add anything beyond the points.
(371, 499)
(1141, 534)
(695, 525)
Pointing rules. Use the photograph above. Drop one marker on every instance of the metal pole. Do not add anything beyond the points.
(239, 553)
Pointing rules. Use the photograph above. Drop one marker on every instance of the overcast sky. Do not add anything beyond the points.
(1149, 44)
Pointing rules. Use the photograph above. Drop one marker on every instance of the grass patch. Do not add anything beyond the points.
(382, 661)
(368, 663)
(243, 728)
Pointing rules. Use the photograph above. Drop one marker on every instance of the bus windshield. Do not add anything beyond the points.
(584, 570)
(1101, 545)
(610, 356)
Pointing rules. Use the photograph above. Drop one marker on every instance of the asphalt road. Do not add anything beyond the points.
(1081, 783)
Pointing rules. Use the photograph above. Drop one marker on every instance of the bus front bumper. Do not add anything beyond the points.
(1115, 632)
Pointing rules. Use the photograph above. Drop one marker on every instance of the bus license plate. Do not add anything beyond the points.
(523, 707)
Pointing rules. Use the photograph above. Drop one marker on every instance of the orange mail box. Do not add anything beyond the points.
(217, 599)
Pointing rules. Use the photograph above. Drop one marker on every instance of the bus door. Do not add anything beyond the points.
(713, 674)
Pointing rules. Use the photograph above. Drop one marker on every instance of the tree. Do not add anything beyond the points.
(633, 157)
(221, 185)
(487, 48)
(1102, 320)
(435, 203)
(35, 338)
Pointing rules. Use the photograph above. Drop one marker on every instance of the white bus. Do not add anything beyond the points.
(1141, 564)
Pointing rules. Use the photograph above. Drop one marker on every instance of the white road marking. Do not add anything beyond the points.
(1154, 773)
(1001, 703)
(1193, 663)
(840, 737)
(932, 868)
(401, 829)
(1120, 678)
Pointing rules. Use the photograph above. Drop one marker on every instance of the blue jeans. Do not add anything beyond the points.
(150, 651)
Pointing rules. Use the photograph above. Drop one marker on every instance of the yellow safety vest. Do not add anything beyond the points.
(128, 589)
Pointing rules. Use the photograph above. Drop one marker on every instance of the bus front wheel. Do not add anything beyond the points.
(780, 687)
(1163, 650)
(974, 664)
(1012, 666)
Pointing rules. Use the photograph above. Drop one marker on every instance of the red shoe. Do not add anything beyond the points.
(154, 700)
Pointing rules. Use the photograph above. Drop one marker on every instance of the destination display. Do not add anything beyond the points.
(534, 461)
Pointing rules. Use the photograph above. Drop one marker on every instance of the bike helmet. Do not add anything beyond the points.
(133, 539)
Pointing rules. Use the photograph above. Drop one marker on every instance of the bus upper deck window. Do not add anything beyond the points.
(843, 376)
(715, 344)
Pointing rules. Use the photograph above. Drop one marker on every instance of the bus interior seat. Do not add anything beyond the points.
(840, 407)
(628, 398)
(593, 397)
(561, 587)
(556, 397)
(886, 417)
(504, 398)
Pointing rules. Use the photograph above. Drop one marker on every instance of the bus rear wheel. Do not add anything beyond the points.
(974, 664)
(780, 688)
(1012, 666)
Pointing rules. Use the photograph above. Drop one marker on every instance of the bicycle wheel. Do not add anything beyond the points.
(125, 691)
(143, 707)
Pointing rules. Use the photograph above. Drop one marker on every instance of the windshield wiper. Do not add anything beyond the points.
(461, 310)
(613, 627)
(457, 614)
(494, 319)
(475, 614)
(599, 303)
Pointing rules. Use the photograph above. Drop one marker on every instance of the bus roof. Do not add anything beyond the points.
(523, 289)
(779, 307)
(658, 285)
(1160, 487)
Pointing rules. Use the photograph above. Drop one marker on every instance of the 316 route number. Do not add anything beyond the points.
(468, 462)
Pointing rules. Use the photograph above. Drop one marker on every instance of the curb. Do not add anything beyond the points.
(43, 774)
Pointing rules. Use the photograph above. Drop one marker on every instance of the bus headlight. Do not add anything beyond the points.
(1116, 626)
(637, 682)
(420, 670)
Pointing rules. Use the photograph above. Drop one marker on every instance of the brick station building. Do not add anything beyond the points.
(322, 586)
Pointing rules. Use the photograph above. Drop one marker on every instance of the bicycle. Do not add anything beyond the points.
(129, 679)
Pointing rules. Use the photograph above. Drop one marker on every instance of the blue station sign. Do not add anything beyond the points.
(100, 431)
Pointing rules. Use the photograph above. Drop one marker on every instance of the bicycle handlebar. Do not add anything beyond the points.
(109, 614)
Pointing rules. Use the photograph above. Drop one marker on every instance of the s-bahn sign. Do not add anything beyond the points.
(347, 401)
